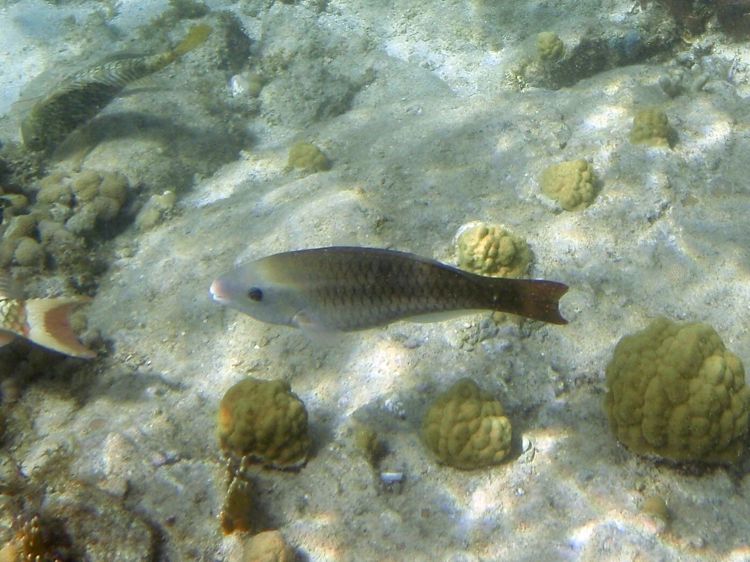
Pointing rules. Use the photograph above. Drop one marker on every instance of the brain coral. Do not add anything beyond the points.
(492, 250)
(570, 183)
(675, 392)
(265, 422)
(549, 46)
(307, 157)
(650, 126)
(82, 199)
(466, 427)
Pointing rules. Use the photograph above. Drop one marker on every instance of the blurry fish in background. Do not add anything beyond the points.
(79, 97)
(45, 322)
(349, 288)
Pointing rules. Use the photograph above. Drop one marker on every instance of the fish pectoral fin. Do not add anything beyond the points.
(306, 321)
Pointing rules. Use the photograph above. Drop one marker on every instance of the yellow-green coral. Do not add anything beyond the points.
(674, 391)
(265, 422)
(657, 509)
(572, 184)
(238, 509)
(549, 46)
(651, 127)
(156, 209)
(366, 440)
(307, 157)
(492, 250)
(268, 546)
(28, 252)
(467, 428)
(82, 199)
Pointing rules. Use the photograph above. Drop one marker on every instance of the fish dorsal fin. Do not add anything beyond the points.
(23, 105)
(45, 83)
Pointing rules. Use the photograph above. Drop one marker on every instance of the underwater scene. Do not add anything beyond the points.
(344, 280)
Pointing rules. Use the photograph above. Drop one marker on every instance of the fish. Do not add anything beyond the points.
(46, 322)
(343, 289)
(81, 96)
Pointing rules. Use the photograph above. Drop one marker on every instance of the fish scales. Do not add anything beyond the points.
(84, 94)
(346, 288)
(81, 98)
(356, 292)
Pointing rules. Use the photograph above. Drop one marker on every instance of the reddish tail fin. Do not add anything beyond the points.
(533, 298)
(49, 325)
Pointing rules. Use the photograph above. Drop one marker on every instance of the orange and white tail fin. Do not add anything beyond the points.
(49, 325)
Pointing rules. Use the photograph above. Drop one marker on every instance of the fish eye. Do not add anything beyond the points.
(255, 294)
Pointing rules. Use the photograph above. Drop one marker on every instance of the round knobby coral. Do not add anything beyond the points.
(549, 46)
(265, 422)
(307, 157)
(571, 184)
(83, 199)
(674, 391)
(651, 127)
(492, 250)
(268, 546)
(466, 427)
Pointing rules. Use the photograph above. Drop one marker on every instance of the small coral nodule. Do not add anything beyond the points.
(651, 127)
(549, 46)
(307, 157)
(368, 443)
(657, 509)
(492, 250)
(466, 427)
(675, 392)
(268, 546)
(237, 511)
(39, 539)
(264, 422)
(572, 184)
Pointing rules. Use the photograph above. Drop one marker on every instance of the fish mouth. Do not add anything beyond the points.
(218, 292)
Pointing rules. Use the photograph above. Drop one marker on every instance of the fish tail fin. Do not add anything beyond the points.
(533, 298)
(49, 325)
(195, 37)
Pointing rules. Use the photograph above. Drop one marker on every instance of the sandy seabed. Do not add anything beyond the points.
(421, 111)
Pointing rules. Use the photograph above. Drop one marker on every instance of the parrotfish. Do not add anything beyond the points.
(79, 97)
(45, 322)
(350, 288)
